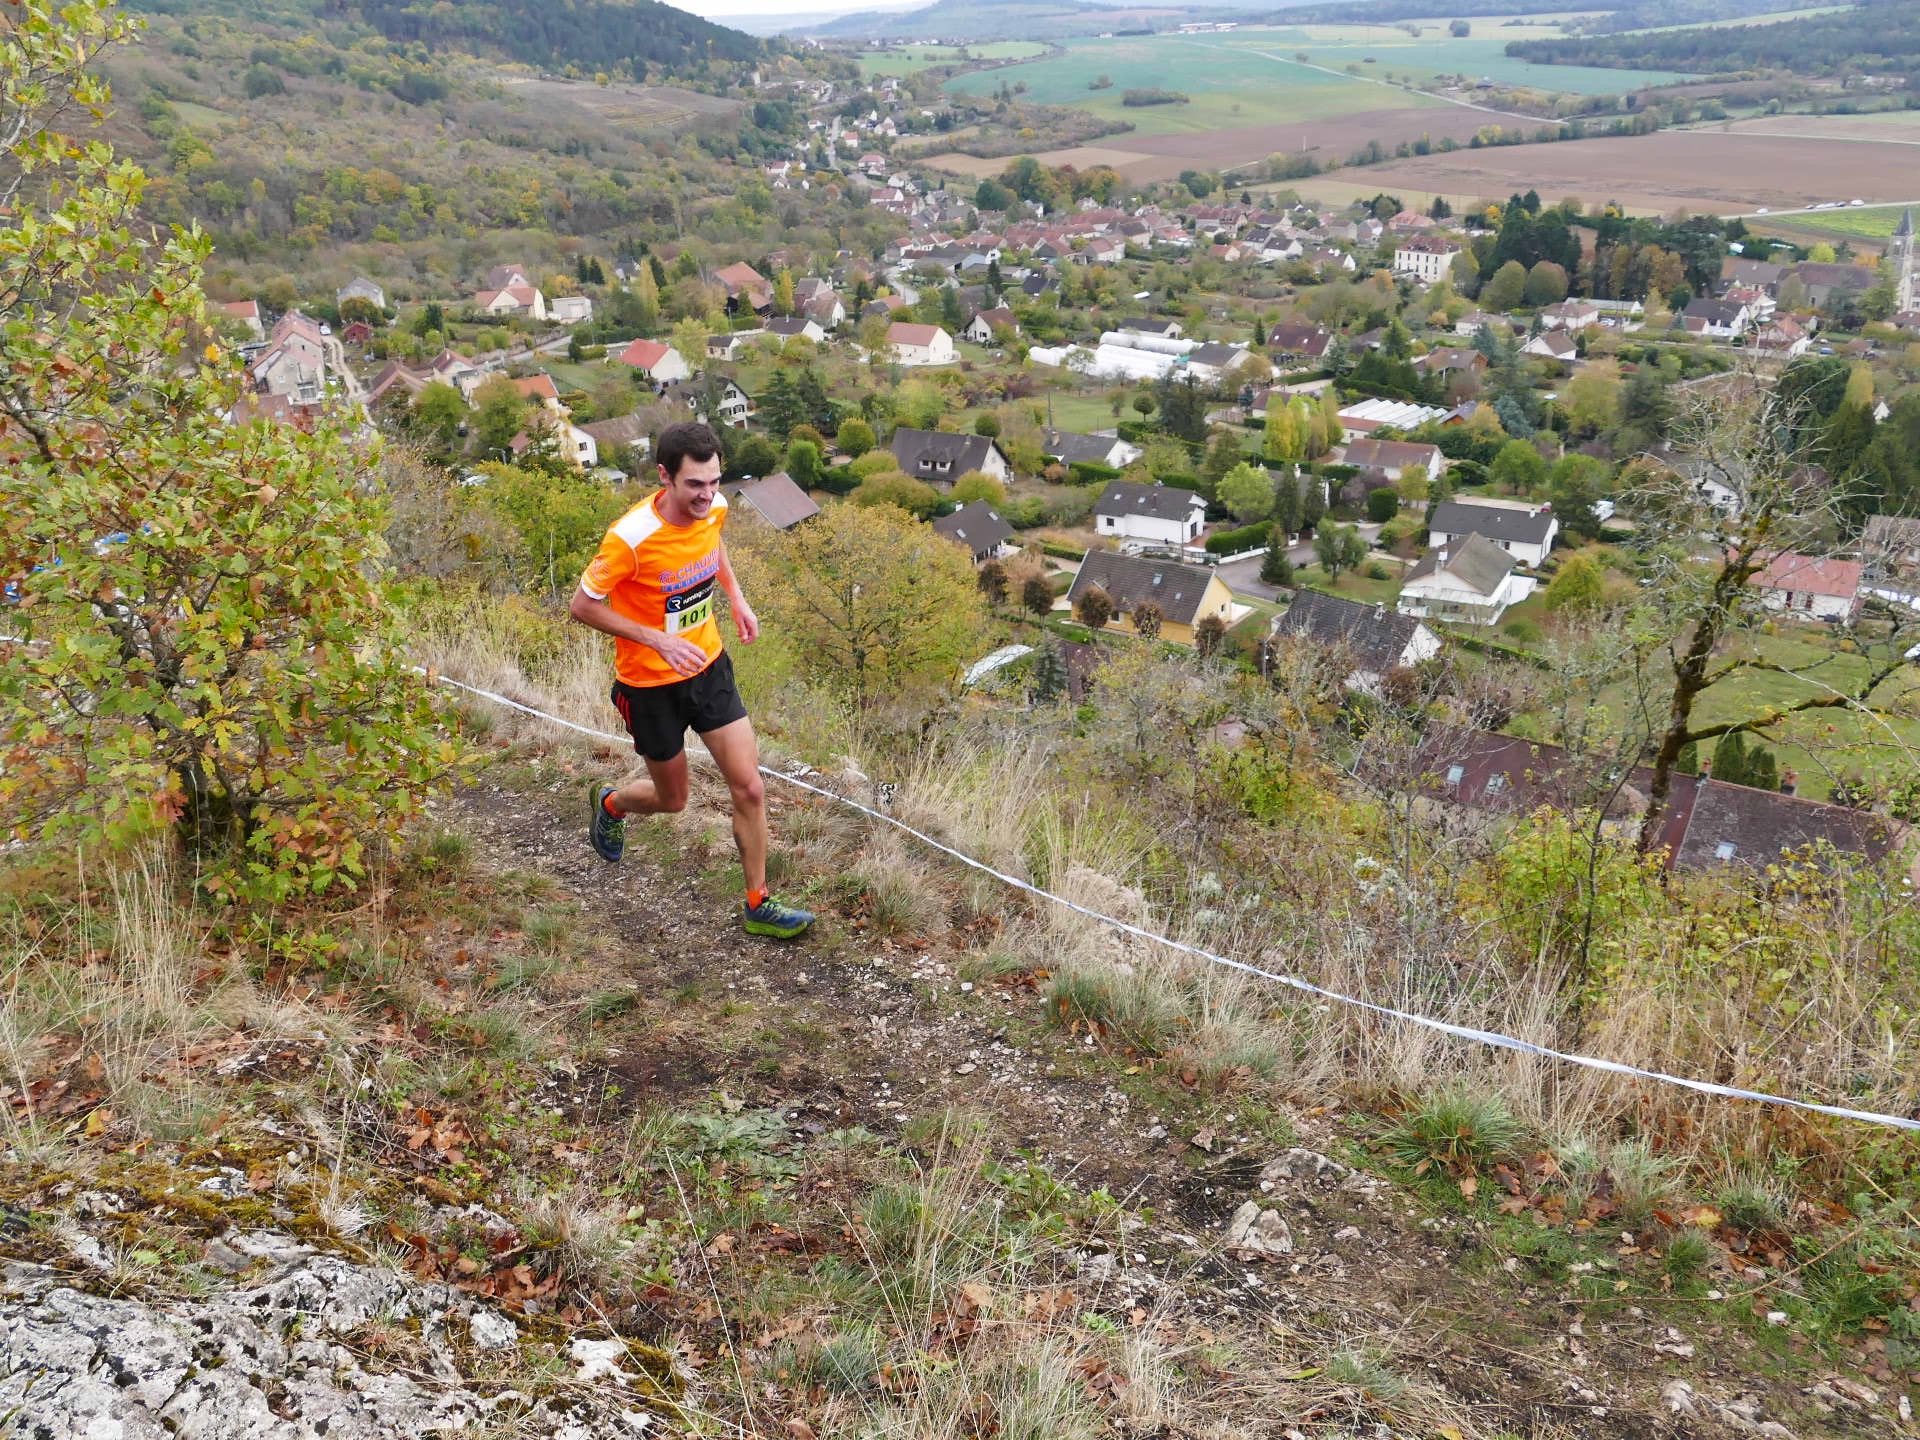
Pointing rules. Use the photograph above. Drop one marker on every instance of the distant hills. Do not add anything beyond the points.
(967, 19)
(591, 34)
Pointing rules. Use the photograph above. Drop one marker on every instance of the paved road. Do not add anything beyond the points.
(1243, 576)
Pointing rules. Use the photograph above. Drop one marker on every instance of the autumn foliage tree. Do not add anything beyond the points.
(873, 600)
(203, 641)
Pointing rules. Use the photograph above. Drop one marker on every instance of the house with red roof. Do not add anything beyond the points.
(660, 363)
(1813, 586)
(247, 313)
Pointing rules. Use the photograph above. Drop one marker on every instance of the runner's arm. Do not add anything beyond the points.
(744, 620)
(682, 654)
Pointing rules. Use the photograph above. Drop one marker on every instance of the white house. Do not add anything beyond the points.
(578, 446)
(1471, 580)
(980, 329)
(796, 327)
(1811, 586)
(570, 309)
(1525, 531)
(361, 288)
(1716, 319)
(659, 363)
(1394, 457)
(1376, 639)
(940, 458)
(735, 408)
(509, 290)
(920, 344)
(246, 313)
(1555, 345)
(1427, 258)
(1070, 448)
(1569, 315)
(1151, 514)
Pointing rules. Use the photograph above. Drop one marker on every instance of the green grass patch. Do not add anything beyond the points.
(1862, 222)
(1227, 86)
(1352, 585)
(1251, 76)
(1879, 747)
(905, 59)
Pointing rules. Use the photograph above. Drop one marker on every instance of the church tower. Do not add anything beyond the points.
(1900, 253)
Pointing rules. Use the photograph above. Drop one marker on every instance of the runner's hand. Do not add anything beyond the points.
(683, 655)
(746, 622)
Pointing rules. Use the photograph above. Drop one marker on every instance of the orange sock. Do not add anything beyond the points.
(606, 804)
(756, 898)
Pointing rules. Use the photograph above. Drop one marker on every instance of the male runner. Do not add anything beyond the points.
(651, 588)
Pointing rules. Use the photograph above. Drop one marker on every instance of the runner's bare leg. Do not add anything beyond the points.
(662, 791)
(737, 752)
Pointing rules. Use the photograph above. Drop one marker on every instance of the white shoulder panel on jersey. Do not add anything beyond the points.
(638, 524)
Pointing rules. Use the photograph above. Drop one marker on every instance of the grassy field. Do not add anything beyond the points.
(1228, 86)
(1085, 413)
(1825, 744)
(904, 59)
(1250, 77)
(1384, 51)
(1869, 222)
(1772, 18)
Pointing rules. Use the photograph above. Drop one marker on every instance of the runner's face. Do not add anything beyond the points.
(692, 490)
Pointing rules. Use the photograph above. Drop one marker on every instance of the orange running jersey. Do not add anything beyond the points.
(662, 576)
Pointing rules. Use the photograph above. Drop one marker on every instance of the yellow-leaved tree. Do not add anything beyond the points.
(199, 639)
(872, 600)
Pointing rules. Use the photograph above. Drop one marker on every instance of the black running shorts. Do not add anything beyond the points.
(659, 716)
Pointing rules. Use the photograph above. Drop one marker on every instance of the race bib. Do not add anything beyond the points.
(689, 609)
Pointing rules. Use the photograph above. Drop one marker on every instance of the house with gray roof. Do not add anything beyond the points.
(1071, 448)
(1149, 514)
(1736, 825)
(1525, 531)
(1375, 639)
(1185, 595)
(1469, 579)
(776, 499)
(940, 459)
(978, 526)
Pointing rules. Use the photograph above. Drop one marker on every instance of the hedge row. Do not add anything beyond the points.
(1061, 552)
(1090, 472)
(1247, 537)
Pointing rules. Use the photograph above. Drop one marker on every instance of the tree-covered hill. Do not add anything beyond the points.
(1879, 37)
(977, 20)
(625, 35)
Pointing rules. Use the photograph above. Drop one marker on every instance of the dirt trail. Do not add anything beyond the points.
(852, 1028)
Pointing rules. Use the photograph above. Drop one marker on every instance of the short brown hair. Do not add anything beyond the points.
(687, 440)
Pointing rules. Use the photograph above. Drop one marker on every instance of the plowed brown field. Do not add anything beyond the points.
(1697, 170)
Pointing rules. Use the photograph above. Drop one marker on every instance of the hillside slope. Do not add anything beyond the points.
(627, 36)
(841, 1187)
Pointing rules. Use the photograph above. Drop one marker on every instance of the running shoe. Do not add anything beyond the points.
(770, 917)
(607, 835)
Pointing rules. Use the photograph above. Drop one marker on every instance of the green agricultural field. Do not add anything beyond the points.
(1385, 50)
(1867, 222)
(904, 59)
(1772, 17)
(1229, 87)
(1251, 76)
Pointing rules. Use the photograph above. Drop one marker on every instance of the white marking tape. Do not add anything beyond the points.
(1459, 1032)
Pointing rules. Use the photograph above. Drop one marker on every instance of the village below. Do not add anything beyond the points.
(1339, 663)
